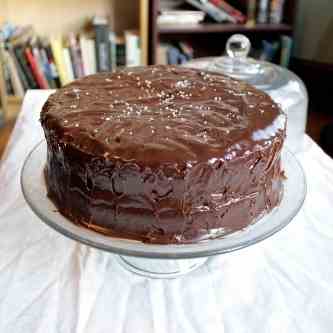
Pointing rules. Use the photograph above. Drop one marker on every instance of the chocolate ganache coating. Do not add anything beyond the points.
(163, 154)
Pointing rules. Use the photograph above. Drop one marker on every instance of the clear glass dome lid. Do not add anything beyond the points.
(237, 64)
(284, 87)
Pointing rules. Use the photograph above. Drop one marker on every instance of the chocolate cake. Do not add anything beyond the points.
(163, 154)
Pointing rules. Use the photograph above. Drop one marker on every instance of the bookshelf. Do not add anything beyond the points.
(60, 17)
(204, 36)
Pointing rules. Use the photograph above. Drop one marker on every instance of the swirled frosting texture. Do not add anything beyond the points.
(162, 153)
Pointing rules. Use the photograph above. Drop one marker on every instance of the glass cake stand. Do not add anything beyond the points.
(162, 261)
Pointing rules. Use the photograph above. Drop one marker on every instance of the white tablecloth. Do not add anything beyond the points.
(52, 284)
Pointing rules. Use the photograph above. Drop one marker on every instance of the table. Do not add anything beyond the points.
(52, 284)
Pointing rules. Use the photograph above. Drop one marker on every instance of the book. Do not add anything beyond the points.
(113, 50)
(2, 113)
(8, 82)
(251, 12)
(7, 30)
(132, 48)
(21, 35)
(3, 88)
(212, 11)
(76, 56)
(51, 61)
(68, 64)
(47, 69)
(102, 44)
(234, 14)
(35, 69)
(186, 49)
(17, 86)
(269, 50)
(263, 9)
(276, 11)
(133, 52)
(20, 72)
(88, 51)
(286, 48)
(57, 51)
(180, 17)
(175, 56)
(162, 54)
(22, 61)
(37, 56)
(120, 51)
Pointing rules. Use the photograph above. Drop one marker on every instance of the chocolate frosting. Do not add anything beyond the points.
(162, 153)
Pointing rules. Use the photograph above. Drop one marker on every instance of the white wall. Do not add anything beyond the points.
(314, 30)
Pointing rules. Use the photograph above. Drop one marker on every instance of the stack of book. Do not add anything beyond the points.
(170, 17)
(277, 51)
(30, 62)
(265, 11)
(231, 11)
(174, 54)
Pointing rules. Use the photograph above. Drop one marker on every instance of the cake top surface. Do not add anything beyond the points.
(160, 114)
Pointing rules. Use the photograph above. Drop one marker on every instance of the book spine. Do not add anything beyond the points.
(6, 75)
(173, 55)
(37, 56)
(121, 54)
(186, 50)
(19, 69)
(14, 77)
(286, 47)
(132, 42)
(269, 50)
(21, 35)
(102, 48)
(214, 12)
(276, 11)
(53, 67)
(88, 50)
(162, 55)
(76, 56)
(91, 47)
(251, 12)
(262, 16)
(57, 52)
(2, 79)
(34, 68)
(3, 84)
(84, 54)
(68, 64)
(113, 50)
(229, 10)
(19, 53)
(47, 68)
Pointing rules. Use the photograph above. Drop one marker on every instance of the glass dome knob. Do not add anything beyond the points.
(238, 46)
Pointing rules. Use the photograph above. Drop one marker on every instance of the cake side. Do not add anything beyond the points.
(163, 169)
(166, 205)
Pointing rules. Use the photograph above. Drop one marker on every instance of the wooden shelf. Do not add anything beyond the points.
(221, 28)
(13, 107)
(14, 99)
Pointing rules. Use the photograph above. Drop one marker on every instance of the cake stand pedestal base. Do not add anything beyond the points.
(160, 268)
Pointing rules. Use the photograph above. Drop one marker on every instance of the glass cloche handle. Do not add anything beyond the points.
(238, 46)
(237, 63)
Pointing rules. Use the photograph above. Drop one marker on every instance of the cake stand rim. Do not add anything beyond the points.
(134, 248)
